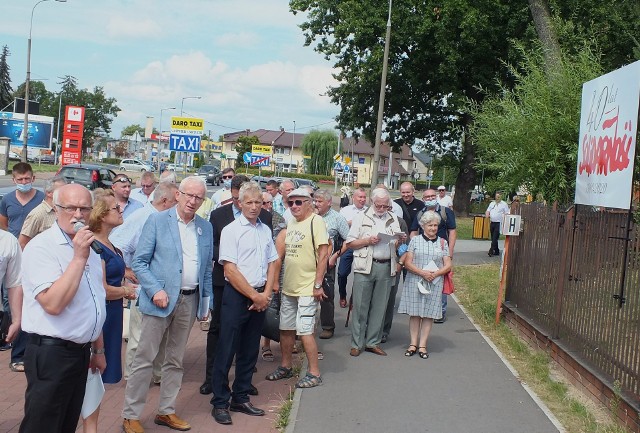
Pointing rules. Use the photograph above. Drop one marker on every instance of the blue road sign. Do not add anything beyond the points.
(184, 143)
(346, 168)
(337, 166)
(260, 160)
(246, 157)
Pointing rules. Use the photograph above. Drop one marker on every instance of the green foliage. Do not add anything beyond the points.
(244, 145)
(321, 146)
(129, 131)
(5, 79)
(528, 135)
(114, 161)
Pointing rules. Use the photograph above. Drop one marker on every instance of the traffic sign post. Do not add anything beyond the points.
(260, 161)
(510, 226)
(186, 136)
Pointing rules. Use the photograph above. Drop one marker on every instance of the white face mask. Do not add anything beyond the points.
(431, 203)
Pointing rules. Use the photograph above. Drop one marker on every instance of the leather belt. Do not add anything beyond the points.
(382, 261)
(43, 340)
(189, 292)
(259, 289)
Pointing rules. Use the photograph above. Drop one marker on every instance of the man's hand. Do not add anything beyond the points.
(81, 243)
(130, 275)
(333, 260)
(13, 331)
(161, 299)
(260, 302)
(374, 240)
(318, 294)
(98, 363)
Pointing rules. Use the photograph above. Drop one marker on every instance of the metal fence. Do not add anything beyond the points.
(567, 275)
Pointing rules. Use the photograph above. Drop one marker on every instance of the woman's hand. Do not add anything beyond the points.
(130, 290)
(429, 275)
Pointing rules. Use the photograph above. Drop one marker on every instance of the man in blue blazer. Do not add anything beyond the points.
(173, 263)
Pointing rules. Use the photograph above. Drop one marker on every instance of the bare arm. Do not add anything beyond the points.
(4, 223)
(15, 304)
(453, 235)
(356, 244)
(116, 292)
(413, 234)
(23, 240)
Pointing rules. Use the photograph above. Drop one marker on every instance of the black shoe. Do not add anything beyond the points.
(221, 415)
(246, 408)
(384, 338)
(205, 389)
(444, 319)
(253, 390)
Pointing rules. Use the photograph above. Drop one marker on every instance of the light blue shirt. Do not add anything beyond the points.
(140, 196)
(131, 206)
(127, 236)
(278, 204)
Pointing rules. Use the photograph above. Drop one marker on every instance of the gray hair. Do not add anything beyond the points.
(168, 176)
(309, 189)
(251, 187)
(285, 181)
(193, 180)
(53, 183)
(380, 193)
(164, 190)
(323, 194)
(56, 193)
(428, 217)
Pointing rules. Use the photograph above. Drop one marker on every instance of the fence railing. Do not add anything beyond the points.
(566, 275)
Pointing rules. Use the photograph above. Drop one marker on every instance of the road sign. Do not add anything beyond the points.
(337, 157)
(260, 161)
(347, 160)
(416, 176)
(187, 126)
(511, 225)
(261, 150)
(223, 156)
(246, 157)
(184, 143)
(337, 166)
(346, 168)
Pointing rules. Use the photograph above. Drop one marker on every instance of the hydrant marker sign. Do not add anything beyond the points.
(607, 141)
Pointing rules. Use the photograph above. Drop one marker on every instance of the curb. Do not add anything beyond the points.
(297, 396)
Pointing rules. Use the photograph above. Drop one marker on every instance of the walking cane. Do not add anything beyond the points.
(346, 324)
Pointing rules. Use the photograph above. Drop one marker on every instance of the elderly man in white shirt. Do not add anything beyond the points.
(11, 279)
(444, 200)
(495, 212)
(63, 310)
(346, 259)
(148, 183)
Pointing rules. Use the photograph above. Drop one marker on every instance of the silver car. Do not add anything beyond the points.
(134, 165)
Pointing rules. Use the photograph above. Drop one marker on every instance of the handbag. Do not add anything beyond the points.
(271, 324)
(5, 322)
(448, 287)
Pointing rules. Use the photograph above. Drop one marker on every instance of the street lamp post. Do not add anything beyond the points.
(160, 136)
(181, 110)
(25, 130)
(383, 86)
(293, 139)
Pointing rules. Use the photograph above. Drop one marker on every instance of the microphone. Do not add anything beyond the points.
(94, 245)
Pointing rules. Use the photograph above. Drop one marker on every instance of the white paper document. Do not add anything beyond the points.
(386, 238)
(93, 393)
(424, 286)
(203, 308)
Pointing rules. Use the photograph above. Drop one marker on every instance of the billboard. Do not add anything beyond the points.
(40, 129)
(607, 140)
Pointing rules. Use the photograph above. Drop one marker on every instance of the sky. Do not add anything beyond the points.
(246, 59)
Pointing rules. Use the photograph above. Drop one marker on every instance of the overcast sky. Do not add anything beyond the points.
(245, 58)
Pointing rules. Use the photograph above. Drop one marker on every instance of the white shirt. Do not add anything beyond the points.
(189, 241)
(445, 201)
(351, 211)
(10, 260)
(396, 209)
(217, 197)
(137, 194)
(128, 235)
(45, 258)
(250, 247)
(287, 215)
(497, 211)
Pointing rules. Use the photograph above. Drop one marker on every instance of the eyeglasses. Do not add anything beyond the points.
(230, 176)
(116, 208)
(296, 202)
(381, 206)
(427, 197)
(122, 180)
(441, 190)
(148, 186)
(194, 197)
(73, 209)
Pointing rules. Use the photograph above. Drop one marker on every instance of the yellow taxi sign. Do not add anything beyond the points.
(187, 125)
(257, 149)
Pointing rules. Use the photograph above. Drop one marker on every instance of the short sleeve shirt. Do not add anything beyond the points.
(301, 259)
(15, 212)
(39, 219)
(10, 261)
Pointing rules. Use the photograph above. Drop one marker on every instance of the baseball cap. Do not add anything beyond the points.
(441, 188)
(299, 192)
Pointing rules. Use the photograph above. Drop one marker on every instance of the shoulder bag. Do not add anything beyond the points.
(448, 287)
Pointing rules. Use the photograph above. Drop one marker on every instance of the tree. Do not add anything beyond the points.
(129, 131)
(5, 79)
(244, 145)
(321, 146)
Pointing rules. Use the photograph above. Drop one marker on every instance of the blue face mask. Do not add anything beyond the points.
(24, 187)
(227, 183)
(431, 203)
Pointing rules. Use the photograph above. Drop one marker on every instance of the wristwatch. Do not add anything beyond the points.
(97, 351)
(317, 286)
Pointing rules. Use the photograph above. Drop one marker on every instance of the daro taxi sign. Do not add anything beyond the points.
(258, 149)
(187, 126)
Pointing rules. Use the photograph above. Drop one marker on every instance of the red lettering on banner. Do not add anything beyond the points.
(607, 152)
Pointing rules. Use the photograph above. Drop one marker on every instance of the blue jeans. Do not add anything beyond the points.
(444, 305)
(344, 269)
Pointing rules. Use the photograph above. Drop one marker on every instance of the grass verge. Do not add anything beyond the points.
(476, 289)
(282, 421)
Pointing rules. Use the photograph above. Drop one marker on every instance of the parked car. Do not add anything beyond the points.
(134, 165)
(306, 182)
(261, 180)
(44, 159)
(211, 174)
(171, 167)
(90, 175)
(292, 179)
(14, 156)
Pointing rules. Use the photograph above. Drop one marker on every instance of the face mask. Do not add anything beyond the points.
(227, 183)
(26, 187)
(430, 203)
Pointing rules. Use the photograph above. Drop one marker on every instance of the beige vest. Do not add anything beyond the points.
(363, 257)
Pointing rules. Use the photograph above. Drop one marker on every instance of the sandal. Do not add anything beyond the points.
(320, 356)
(423, 355)
(411, 352)
(17, 367)
(280, 373)
(309, 381)
(267, 354)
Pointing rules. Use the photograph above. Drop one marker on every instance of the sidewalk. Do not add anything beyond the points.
(464, 386)
(191, 405)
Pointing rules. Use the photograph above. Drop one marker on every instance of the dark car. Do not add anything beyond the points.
(90, 175)
(44, 159)
(211, 174)
(261, 180)
(306, 182)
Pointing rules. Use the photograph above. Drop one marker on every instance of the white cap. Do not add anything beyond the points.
(299, 192)
(441, 187)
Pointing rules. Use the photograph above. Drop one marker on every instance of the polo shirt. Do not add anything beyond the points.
(10, 260)
(44, 261)
(39, 219)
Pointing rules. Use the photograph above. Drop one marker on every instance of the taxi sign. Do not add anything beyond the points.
(187, 126)
(258, 149)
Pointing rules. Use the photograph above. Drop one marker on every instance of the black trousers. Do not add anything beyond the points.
(214, 332)
(56, 380)
(240, 333)
(494, 228)
(327, 305)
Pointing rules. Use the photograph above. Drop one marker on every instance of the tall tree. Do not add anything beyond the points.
(6, 90)
(321, 146)
(244, 145)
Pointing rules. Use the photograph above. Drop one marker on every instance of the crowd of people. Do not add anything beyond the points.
(72, 259)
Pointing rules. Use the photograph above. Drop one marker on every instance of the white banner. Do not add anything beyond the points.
(607, 142)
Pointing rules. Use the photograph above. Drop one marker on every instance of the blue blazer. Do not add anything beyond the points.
(157, 262)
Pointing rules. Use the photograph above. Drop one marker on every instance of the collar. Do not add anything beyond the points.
(180, 220)
(245, 222)
(61, 238)
(47, 207)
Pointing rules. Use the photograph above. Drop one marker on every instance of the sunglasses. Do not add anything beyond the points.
(228, 177)
(296, 202)
(123, 180)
